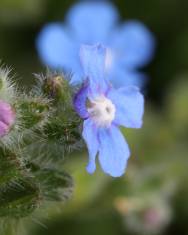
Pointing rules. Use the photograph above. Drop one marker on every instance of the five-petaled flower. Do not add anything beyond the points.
(104, 109)
(130, 45)
(7, 117)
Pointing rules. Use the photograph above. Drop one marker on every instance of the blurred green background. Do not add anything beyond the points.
(152, 196)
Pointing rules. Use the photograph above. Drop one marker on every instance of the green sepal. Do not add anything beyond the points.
(55, 185)
(19, 198)
(33, 110)
(19, 194)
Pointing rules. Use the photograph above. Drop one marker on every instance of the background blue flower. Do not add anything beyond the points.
(130, 45)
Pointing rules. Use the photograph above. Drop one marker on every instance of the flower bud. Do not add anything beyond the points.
(7, 118)
(57, 87)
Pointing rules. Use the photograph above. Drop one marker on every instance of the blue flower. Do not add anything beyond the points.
(130, 45)
(104, 109)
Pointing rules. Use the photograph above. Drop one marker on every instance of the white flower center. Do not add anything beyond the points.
(102, 111)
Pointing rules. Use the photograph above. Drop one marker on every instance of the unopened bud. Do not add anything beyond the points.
(7, 118)
(57, 87)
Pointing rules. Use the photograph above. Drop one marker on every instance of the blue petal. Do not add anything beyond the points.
(80, 101)
(76, 75)
(54, 46)
(92, 21)
(120, 77)
(93, 63)
(134, 44)
(90, 136)
(113, 151)
(57, 50)
(129, 103)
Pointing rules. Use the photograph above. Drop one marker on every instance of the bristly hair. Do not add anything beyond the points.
(46, 130)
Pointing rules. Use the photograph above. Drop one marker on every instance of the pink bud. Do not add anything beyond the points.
(7, 117)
